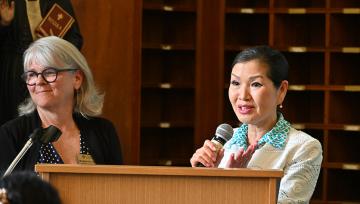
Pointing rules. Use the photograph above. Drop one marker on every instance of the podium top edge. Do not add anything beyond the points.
(157, 170)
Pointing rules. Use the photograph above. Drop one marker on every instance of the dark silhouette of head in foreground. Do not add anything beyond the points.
(25, 187)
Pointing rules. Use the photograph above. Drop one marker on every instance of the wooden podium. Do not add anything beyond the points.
(148, 185)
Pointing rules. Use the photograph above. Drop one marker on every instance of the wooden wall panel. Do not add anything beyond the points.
(209, 69)
(111, 45)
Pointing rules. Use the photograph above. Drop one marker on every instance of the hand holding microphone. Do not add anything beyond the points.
(211, 153)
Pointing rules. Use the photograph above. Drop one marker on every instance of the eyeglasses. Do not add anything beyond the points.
(49, 75)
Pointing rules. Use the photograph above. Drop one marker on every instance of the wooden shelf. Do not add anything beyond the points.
(170, 3)
(167, 124)
(344, 69)
(306, 67)
(255, 35)
(299, 30)
(338, 182)
(176, 7)
(299, 11)
(344, 31)
(244, 10)
(345, 50)
(344, 4)
(345, 10)
(167, 86)
(167, 105)
(167, 81)
(346, 141)
(342, 165)
(168, 69)
(247, 4)
(167, 28)
(301, 49)
(300, 4)
(312, 108)
(168, 47)
(344, 107)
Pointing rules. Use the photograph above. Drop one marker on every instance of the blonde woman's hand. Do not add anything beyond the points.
(6, 12)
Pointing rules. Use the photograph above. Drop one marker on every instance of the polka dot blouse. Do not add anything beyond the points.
(49, 155)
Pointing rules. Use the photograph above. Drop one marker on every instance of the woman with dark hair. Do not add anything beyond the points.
(27, 188)
(265, 140)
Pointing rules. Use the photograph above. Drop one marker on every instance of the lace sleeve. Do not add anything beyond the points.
(301, 174)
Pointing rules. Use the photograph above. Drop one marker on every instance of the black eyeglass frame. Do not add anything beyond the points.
(56, 71)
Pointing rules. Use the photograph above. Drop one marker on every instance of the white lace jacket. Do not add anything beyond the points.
(300, 160)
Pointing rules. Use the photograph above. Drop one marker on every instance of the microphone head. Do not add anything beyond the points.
(225, 131)
(36, 134)
(50, 134)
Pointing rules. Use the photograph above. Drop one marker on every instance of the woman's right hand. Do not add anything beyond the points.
(207, 155)
(6, 12)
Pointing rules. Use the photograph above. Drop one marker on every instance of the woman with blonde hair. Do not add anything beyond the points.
(19, 21)
(62, 94)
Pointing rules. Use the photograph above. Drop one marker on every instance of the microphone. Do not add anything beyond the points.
(223, 134)
(49, 134)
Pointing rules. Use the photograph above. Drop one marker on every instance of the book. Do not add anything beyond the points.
(56, 22)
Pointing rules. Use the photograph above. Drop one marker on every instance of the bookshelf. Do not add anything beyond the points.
(186, 52)
(167, 82)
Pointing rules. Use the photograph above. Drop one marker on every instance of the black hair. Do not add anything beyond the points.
(275, 60)
(25, 187)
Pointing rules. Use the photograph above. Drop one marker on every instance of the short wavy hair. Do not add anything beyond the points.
(55, 52)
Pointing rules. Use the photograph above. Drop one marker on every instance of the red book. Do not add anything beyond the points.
(56, 22)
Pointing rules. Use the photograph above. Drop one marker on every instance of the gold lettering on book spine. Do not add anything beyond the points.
(54, 23)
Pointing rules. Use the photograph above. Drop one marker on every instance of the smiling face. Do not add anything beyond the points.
(55, 95)
(252, 94)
